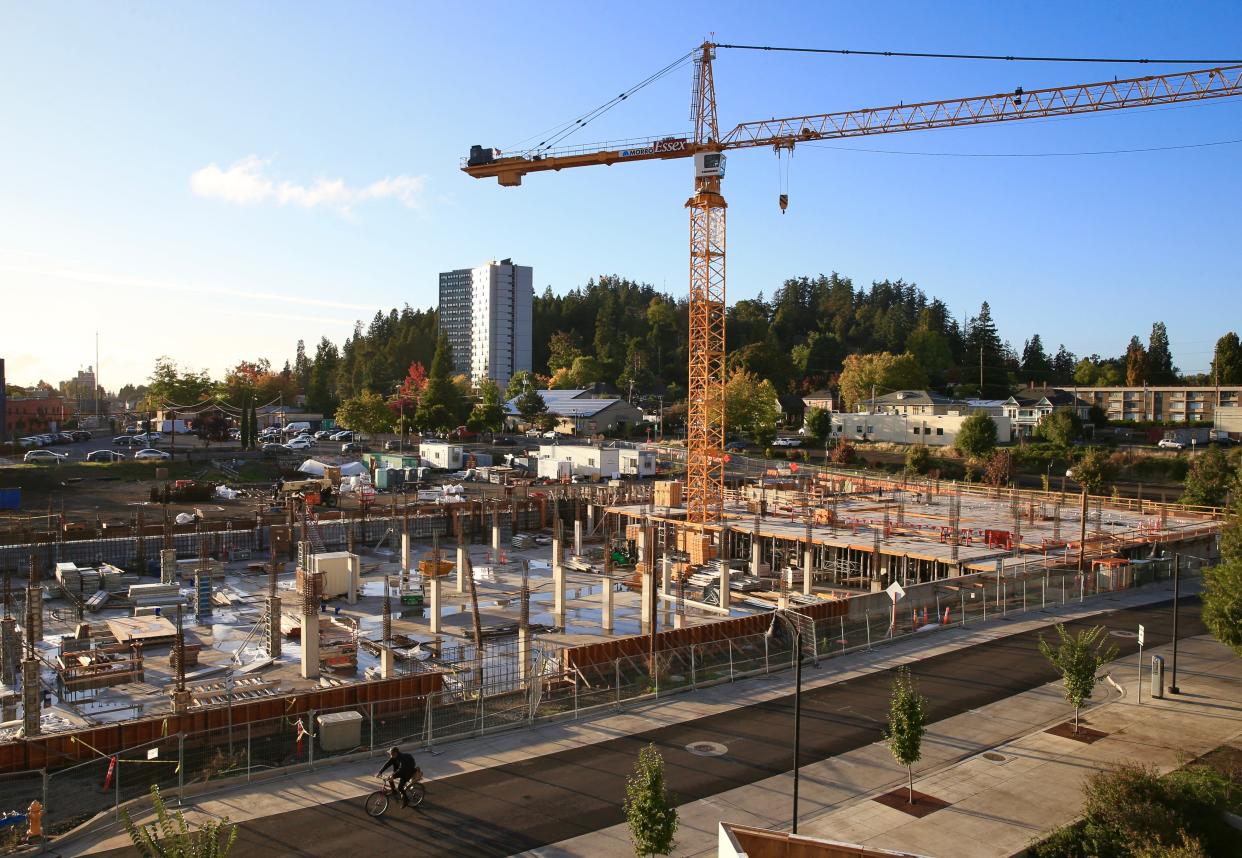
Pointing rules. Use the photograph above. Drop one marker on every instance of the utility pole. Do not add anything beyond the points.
(980, 370)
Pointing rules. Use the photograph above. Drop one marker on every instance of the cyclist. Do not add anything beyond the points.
(403, 769)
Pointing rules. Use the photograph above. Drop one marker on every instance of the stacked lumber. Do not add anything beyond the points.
(74, 580)
(700, 548)
(155, 595)
(668, 493)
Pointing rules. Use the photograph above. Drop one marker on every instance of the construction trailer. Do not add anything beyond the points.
(441, 454)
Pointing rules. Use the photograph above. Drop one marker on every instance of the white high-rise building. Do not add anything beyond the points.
(498, 303)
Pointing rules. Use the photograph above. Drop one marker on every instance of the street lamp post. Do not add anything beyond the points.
(797, 645)
(1177, 558)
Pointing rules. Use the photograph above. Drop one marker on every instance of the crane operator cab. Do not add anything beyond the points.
(708, 164)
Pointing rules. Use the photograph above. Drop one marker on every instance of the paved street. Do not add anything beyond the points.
(542, 800)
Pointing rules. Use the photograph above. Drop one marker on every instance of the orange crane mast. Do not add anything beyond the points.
(705, 430)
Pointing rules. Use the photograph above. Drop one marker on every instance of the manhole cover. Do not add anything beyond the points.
(1123, 633)
(994, 757)
(707, 749)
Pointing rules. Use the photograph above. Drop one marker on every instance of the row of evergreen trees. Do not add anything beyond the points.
(634, 336)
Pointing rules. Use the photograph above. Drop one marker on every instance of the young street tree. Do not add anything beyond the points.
(1078, 658)
(649, 808)
(907, 722)
(170, 835)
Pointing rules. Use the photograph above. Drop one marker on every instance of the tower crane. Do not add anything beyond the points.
(705, 431)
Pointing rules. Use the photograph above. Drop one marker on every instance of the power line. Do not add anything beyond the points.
(1027, 154)
(1004, 57)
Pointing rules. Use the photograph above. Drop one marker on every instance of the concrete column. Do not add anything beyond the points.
(678, 620)
(648, 583)
(355, 578)
(35, 611)
(496, 538)
(461, 568)
(168, 566)
(725, 594)
(808, 555)
(405, 559)
(388, 663)
(32, 697)
(590, 516)
(756, 555)
(181, 702)
(558, 593)
(556, 547)
(578, 537)
(274, 637)
(432, 586)
(605, 602)
(666, 575)
(10, 652)
(310, 645)
(523, 647)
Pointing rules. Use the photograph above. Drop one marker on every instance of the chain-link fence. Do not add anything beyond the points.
(508, 696)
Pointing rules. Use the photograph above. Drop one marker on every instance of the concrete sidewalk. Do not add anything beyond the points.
(998, 804)
(355, 779)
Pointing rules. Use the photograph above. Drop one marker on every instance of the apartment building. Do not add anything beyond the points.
(1159, 404)
(486, 313)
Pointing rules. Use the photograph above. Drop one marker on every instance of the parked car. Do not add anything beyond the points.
(1170, 444)
(124, 441)
(343, 435)
(272, 450)
(105, 456)
(65, 438)
(80, 435)
(151, 455)
(351, 447)
(550, 434)
(532, 433)
(44, 456)
(462, 433)
(735, 445)
(147, 438)
(787, 442)
(299, 444)
(324, 433)
(503, 441)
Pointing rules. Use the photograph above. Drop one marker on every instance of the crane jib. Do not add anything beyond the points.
(670, 144)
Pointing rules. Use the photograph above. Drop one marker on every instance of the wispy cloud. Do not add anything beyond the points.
(246, 182)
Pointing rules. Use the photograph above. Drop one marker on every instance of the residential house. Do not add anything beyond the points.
(1030, 405)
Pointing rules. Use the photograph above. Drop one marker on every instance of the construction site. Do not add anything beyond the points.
(314, 632)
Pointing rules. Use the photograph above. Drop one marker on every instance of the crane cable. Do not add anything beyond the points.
(1006, 57)
(590, 116)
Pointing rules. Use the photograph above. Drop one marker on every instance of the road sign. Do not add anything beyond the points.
(895, 592)
(1141, 634)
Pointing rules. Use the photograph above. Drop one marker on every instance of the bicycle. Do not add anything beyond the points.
(415, 792)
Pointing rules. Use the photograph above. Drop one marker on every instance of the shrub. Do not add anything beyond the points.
(918, 459)
(843, 454)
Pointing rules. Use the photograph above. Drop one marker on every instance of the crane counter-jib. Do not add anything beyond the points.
(482, 164)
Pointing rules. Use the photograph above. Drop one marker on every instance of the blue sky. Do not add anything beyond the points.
(216, 181)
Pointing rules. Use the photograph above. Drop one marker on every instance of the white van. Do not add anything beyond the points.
(295, 428)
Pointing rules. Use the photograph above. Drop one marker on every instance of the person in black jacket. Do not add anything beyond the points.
(403, 768)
